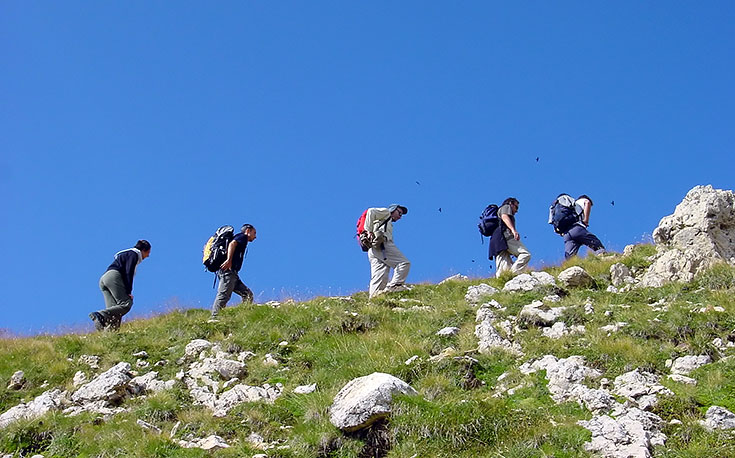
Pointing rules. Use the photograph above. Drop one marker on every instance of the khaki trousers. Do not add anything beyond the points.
(381, 261)
(503, 260)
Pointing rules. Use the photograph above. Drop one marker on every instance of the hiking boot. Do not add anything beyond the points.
(396, 288)
(99, 321)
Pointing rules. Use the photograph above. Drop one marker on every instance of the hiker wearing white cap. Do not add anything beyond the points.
(384, 254)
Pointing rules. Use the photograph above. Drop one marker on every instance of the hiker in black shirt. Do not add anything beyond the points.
(229, 280)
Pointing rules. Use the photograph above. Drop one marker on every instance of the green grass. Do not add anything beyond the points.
(331, 341)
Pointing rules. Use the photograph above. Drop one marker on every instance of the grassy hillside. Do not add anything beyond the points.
(333, 340)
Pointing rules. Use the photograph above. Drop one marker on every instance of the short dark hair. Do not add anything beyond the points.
(585, 196)
(245, 227)
(510, 200)
(143, 245)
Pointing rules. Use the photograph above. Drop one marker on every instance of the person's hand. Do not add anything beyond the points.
(226, 265)
(131, 296)
(516, 235)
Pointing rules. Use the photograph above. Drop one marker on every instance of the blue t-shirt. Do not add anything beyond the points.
(242, 243)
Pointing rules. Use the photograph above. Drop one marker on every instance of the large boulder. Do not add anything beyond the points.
(529, 282)
(366, 399)
(700, 233)
(575, 276)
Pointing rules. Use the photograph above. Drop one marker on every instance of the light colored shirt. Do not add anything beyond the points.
(374, 220)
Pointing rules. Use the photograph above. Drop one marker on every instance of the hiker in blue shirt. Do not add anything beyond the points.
(229, 279)
(116, 285)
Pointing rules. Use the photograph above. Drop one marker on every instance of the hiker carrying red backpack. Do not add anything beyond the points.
(383, 254)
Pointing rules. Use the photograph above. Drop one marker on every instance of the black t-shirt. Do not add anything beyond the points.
(242, 243)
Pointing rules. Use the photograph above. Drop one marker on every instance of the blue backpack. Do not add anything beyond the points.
(489, 220)
(563, 214)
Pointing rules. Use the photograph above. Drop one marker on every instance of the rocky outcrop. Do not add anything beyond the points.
(700, 233)
(477, 292)
(488, 337)
(365, 400)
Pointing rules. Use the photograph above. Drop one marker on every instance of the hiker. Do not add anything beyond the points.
(578, 234)
(229, 280)
(116, 285)
(384, 254)
(506, 241)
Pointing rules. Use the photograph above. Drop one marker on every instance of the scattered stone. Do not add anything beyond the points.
(699, 234)
(686, 364)
(458, 277)
(446, 353)
(195, 348)
(110, 386)
(411, 360)
(17, 380)
(529, 282)
(366, 399)
(305, 389)
(627, 433)
(641, 388)
(560, 329)
(574, 277)
(448, 331)
(682, 379)
(80, 378)
(488, 336)
(91, 361)
(477, 292)
(620, 275)
(212, 442)
(533, 313)
(615, 327)
(49, 400)
(718, 418)
(270, 361)
(552, 298)
(141, 354)
(148, 426)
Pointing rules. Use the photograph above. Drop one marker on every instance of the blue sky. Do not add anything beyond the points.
(163, 121)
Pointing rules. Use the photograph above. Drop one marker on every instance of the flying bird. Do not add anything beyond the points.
(440, 209)
(418, 183)
(536, 158)
(612, 202)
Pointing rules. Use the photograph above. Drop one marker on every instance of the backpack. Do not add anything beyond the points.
(563, 213)
(489, 220)
(215, 250)
(363, 236)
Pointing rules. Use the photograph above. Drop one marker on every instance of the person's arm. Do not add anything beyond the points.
(129, 263)
(230, 254)
(586, 209)
(509, 224)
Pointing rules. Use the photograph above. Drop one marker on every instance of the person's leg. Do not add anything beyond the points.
(117, 300)
(224, 290)
(401, 265)
(571, 246)
(523, 256)
(243, 291)
(379, 271)
(503, 262)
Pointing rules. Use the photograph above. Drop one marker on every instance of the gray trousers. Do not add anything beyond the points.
(117, 301)
(381, 261)
(229, 282)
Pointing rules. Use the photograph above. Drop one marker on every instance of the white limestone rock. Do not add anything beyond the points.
(17, 380)
(529, 282)
(686, 364)
(109, 386)
(700, 233)
(620, 275)
(448, 331)
(457, 277)
(47, 401)
(575, 277)
(476, 293)
(366, 399)
(718, 418)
